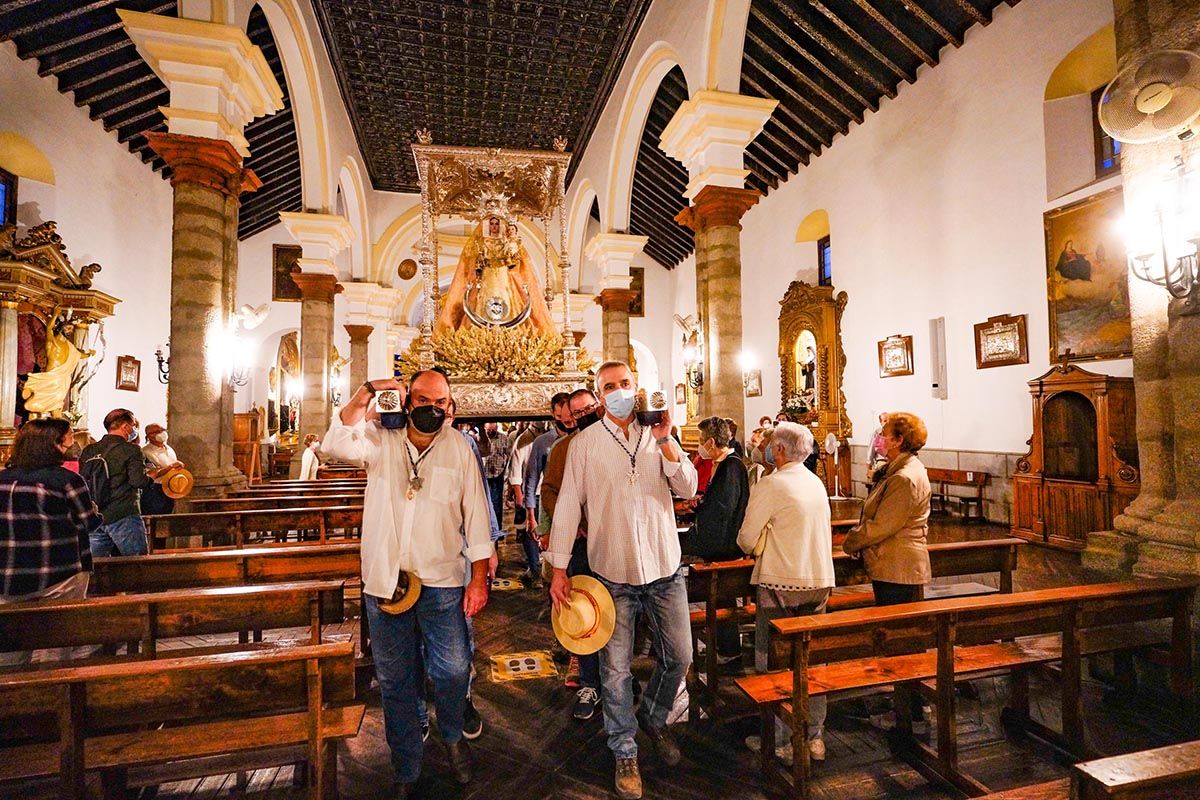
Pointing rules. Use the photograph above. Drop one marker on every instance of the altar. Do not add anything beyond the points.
(502, 331)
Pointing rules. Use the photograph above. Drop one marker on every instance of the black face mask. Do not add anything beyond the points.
(563, 427)
(427, 419)
(587, 419)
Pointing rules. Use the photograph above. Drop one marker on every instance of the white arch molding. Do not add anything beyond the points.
(577, 219)
(659, 59)
(355, 197)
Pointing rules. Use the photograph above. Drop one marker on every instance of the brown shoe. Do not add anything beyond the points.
(459, 754)
(664, 744)
(628, 779)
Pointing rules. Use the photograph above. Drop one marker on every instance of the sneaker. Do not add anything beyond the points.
(586, 700)
(472, 722)
(628, 779)
(887, 722)
(425, 731)
(783, 752)
(816, 749)
(572, 679)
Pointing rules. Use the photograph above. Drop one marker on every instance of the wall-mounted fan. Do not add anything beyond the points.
(1153, 98)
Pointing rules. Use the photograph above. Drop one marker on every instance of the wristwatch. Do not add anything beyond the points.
(370, 389)
(663, 439)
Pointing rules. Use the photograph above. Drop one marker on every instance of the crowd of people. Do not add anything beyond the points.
(597, 495)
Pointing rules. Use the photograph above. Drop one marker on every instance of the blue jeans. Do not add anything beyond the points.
(663, 603)
(589, 666)
(125, 537)
(438, 622)
(533, 554)
(495, 487)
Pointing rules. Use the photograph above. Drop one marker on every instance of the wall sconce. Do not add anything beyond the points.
(1165, 253)
(337, 386)
(164, 362)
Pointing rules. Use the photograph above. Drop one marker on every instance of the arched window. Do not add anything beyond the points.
(1078, 151)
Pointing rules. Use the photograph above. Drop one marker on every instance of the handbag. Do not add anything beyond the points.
(761, 544)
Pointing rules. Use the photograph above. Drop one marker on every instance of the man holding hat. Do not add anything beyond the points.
(425, 529)
(621, 473)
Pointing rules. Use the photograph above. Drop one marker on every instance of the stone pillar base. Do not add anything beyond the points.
(217, 484)
(1110, 554)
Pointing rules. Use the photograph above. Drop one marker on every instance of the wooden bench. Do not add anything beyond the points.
(140, 621)
(1052, 790)
(725, 590)
(940, 479)
(947, 639)
(339, 471)
(323, 488)
(275, 501)
(241, 528)
(191, 716)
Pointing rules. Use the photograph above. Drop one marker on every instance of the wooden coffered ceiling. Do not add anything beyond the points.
(828, 63)
(499, 73)
(84, 46)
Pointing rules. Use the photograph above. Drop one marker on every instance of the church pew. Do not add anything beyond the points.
(244, 710)
(339, 471)
(722, 585)
(954, 638)
(140, 621)
(240, 528)
(1165, 773)
(292, 491)
(274, 501)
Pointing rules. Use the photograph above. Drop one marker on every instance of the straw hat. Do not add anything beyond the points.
(408, 590)
(177, 483)
(586, 623)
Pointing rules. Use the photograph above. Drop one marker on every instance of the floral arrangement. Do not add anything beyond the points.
(796, 407)
(496, 354)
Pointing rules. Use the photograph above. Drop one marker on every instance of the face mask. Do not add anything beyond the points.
(563, 427)
(587, 419)
(770, 456)
(427, 419)
(161, 438)
(620, 402)
(133, 435)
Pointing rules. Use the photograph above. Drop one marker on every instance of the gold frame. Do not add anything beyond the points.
(896, 343)
(818, 309)
(130, 385)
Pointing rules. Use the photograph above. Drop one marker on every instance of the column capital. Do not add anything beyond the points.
(613, 254)
(616, 299)
(316, 285)
(209, 162)
(321, 237)
(359, 333)
(218, 79)
(709, 134)
(716, 206)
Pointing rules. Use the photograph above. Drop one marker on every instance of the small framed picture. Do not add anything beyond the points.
(895, 357)
(680, 394)
(1001, 342)
(284, 259)
(752, 382)
(129, 373)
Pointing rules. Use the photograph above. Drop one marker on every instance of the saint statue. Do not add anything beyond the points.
(46, 392)
(495, 284)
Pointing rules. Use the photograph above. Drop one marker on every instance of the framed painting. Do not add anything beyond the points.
(284, 259)
(129, 373)
(680, 394)
(1087, 283)
(752, 382)
(1001, 342)
(637, 282)
(895, 357)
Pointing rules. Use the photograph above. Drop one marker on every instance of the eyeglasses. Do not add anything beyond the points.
(583, 412)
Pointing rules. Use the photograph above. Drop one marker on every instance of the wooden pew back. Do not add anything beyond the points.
(239, 528)
(274, 501)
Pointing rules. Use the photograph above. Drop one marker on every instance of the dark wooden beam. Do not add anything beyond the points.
(895, 32)
(87, 79)
(90, 99)
(831, 47)
(863, 43)
(931, 23)
(47, 21)
(51, 68)
(973, 12)
(64, 44)
(159, 98)
(838, 127)
(785, 110)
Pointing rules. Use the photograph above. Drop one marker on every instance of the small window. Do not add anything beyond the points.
(824, 266)
(1108, 149)
(8, 198)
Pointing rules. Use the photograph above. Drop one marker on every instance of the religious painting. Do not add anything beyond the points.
(752, 382)
(129, 373)
(637, 283)
(284, 259)
(895, 356)
(807, 371)
(1001, 342)
(680, 394)
(1086, 280)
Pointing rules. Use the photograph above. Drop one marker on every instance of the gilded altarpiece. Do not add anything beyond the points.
(812, 364)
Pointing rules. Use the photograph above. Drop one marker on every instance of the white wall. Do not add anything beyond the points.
(111, 209)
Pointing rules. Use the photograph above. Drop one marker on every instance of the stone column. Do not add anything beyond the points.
(360, 360)
(316, 354)
(207, 179)
(8, 363)
(613, 253)
(715, 216)
(615, 303)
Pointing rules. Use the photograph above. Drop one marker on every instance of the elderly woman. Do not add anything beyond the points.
(719, 512)
(787, 526)
(891, 536)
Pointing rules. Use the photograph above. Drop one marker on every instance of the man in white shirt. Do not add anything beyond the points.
(622, 475)
(425, 512)
(161, 459)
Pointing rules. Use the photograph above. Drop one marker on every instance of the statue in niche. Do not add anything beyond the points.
(45, 393)
(807, 372)
(495, 284)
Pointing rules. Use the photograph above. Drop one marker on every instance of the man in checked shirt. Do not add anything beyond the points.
(621, 475)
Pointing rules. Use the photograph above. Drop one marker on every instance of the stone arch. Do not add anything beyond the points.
(355, 197)
(22, 158)
(308, 102)
(659, 59)
(724, 38)
(577, 222)
(390, 250)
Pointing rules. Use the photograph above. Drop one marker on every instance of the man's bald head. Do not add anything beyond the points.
(430, 388)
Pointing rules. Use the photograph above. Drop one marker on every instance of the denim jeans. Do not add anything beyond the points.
(589, 666)
(663, 604)
(436, 621)
(533, 554)
(496, 487)
(125, 537)
(775, 604)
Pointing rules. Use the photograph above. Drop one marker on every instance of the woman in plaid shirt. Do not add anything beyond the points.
(47, 513)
